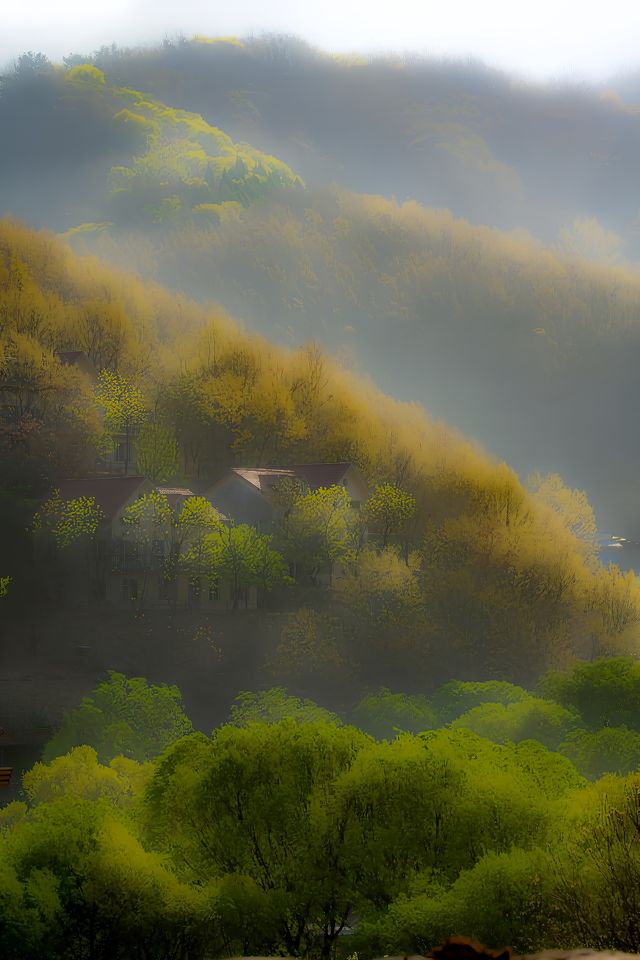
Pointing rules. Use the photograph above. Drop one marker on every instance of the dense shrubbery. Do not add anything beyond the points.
(605, 692)
(578, 715)
(530, 719)
(274, 837)
(124, 717)
(285, 827)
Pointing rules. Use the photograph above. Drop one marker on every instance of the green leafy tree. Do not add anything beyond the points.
(124, 408)
(73, 526)
(238, 556)
(4, 586)
(605, 691)
(68, 521)
(148, 515)
(597, 865)
(432, 804)
(388, 509)
(78, 775)
(20, 922)
(454, 698)
(85, 73)
(529, 719)
(322, 822)
(145, 521)
(255, 802)
(505, 898)
(274, 705)
(610, 750)
(91, 890)
(320, 528)
(384, 714)
(123, 716)
(157, 452)
(181, 531)
(554, 775)
(196, 519)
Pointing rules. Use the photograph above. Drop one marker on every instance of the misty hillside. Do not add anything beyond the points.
(487, 146)
(533, 355)
(495, 579)
(318, 392)
(164, 160)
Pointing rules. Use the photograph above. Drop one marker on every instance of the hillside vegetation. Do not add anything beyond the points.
(488, 578)
(287, 830)
(461, 746)
(486, 145)
(165, 160)
(157, 161)
(531, 352)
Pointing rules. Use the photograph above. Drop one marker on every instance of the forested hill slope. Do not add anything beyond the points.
(107, 152)
(533, 354)
(484, 144)
(498, 580)
(531, 351)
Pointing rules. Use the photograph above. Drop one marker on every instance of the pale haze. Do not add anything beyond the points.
(546, 40)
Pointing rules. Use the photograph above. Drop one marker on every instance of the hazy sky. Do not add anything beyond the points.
(546, 38)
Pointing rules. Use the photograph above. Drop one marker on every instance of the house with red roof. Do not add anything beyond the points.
(112, 494)
(126, 569)
(248, 494)
(116, 561)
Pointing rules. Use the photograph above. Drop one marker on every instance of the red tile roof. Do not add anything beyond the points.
(110, 493)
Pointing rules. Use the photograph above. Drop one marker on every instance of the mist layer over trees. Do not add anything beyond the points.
(423, 682)
(464, 569)
(530, 349)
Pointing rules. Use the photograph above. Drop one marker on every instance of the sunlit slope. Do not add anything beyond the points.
(501, 580)
(485, 144)
(533, 353)
(109, 153)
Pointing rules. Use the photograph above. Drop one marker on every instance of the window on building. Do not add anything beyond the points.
(121, 452)
(214, 591)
